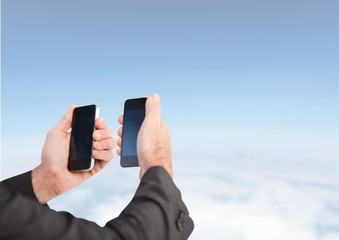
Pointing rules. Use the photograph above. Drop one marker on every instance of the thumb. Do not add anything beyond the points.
(153, 110)
(65, 122)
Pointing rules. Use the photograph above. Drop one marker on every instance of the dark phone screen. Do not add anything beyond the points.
(82, 140)
(132, 123)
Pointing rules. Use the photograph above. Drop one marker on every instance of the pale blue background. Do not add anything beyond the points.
(249, 90)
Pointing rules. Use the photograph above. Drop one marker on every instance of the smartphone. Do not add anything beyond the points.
(81, 144)
(134, 115)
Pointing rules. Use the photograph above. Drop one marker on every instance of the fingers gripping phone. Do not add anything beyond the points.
(81, 144)
(134, 115)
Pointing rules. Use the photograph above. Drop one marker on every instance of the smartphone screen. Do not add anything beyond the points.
(81, 144)
(134, 115)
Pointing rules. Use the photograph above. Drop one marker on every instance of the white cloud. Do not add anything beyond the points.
(73, 200)
(238, 200)
(253, 199)
(331, 236)
(108, 209)
(238, 193)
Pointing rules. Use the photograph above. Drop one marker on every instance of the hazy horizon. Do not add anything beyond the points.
(249, 90)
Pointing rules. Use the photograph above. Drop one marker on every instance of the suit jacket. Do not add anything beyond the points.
(156, 211)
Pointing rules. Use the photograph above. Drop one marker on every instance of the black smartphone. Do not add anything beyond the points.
(81, 144)
(134, 115)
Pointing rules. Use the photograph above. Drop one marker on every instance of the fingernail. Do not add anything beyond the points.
(155, 97)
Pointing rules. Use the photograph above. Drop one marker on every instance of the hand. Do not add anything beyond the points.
(154, 143)
(51, 177)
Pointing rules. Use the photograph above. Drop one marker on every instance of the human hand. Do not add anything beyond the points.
(154, 142)
(51, 177)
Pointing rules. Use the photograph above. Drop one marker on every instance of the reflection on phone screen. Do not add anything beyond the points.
(132, 123)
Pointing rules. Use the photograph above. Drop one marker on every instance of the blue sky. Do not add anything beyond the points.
(243, 84)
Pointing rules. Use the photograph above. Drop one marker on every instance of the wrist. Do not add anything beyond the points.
(41, 189)
(166, 167)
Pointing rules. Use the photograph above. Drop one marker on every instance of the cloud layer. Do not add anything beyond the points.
(230, 197)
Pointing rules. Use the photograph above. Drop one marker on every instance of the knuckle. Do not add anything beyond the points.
(51, 133)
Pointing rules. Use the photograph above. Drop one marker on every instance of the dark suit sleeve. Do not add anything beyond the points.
(20, 184)
(155, 212)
